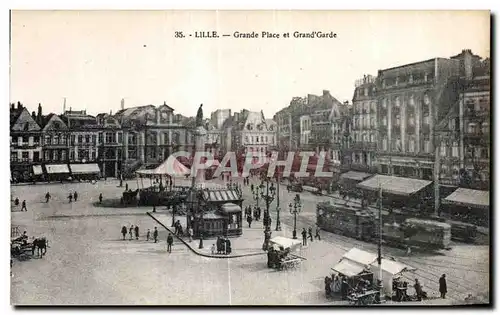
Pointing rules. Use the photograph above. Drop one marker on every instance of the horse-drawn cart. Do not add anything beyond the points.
(22, 247)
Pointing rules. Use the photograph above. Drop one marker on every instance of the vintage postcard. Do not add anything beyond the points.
(250, 158)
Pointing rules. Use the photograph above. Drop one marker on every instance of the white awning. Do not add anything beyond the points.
(360, 256)
(37, 170)
(57, 169)
(359, 176)
(392, 267)
(285, 242)
(470, 197)
(230, 208)
(394, 185)
(348, 268)
(85, 168)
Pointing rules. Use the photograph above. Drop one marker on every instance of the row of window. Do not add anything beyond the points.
(263, 139)
(364, 137)
(411, 145)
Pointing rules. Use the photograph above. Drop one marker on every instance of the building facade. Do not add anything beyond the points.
(288, 123)
(464, 135)
(25, 144)
(411, 99)
(364, 128)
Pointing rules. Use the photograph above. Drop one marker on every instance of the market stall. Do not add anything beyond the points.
(279, 255)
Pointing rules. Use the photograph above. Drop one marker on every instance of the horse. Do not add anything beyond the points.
(40, 244)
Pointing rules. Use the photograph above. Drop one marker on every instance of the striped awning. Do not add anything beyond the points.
(221, 195)
(57, 169)
(92, 168)
(37, 170)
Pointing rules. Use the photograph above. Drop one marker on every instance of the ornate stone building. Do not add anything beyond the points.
(364, 128)
(411, 99)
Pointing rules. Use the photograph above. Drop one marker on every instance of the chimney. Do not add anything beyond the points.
(19, 105)
(33, 115)
(12, 106)
(325, 92)
(467, 60)
(122, 105)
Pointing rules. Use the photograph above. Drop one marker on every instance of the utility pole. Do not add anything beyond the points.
(379, 245)
(437, 167)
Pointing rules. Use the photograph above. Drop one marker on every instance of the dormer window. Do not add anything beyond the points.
(249, 127)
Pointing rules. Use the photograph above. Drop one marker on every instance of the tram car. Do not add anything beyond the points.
(346, 220)
(422, 233)
(364, 225)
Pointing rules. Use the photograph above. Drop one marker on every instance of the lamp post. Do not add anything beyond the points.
(295, 209)
(267, 193)
(278, 222)
(256, 191)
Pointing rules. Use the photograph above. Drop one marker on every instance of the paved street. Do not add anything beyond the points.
(87, 263)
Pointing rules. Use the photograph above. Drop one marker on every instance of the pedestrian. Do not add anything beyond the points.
(75, 196)
(124, 231)
(310, 232)
(100, 198)
(190, 234)
(136, 230)
(408, 250)
(304, 237)
(317, 233)
(130, 231)
(154, 208)
(16, 201)
(443, 289)
(148, 234)
(23, 206)
(418, 290)
(212, 249)
(126, 187)
(170, 241)
(70, 197)
(47, 197)
(155, 234)
(249, 220)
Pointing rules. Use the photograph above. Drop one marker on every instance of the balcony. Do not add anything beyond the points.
(365, 146)
(25, 145)
(24, 161)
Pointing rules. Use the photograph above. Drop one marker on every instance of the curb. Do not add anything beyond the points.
(194, 250)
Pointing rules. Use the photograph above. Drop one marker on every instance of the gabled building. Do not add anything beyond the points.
(25, 144)
(55, 135)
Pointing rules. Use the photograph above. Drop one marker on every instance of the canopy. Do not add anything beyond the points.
(285, 242)
(230, 208)
(469, 197)
(170, 166)
(357, 176)
(222, 195)
(348, 268)
(85, 168)
(394, 185)
(57, 169)
(37, 170)
(392, 267)
(360, 256)
(212, 216)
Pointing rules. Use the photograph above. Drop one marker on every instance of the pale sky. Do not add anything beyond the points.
(96, 58)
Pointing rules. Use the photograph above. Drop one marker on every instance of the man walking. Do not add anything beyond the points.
(75, 196)
(47, 197)
(124, 231)
(148, 235)
(317, 233)
(170, 241)
(100, 198)
(136, 230)
(249, 220)
(70, 197)
(304, 237)
(130, 231)
(155, 235)
(23, 206)
(310, 232)
(442, 286)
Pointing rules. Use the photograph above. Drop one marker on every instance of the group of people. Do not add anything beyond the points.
(23, 204)
(252, 215)
(308, 234)
(222, 246)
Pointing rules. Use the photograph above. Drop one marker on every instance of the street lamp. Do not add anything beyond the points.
(295, 209)
(278, 209)
(267, 193)
(256, 192)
